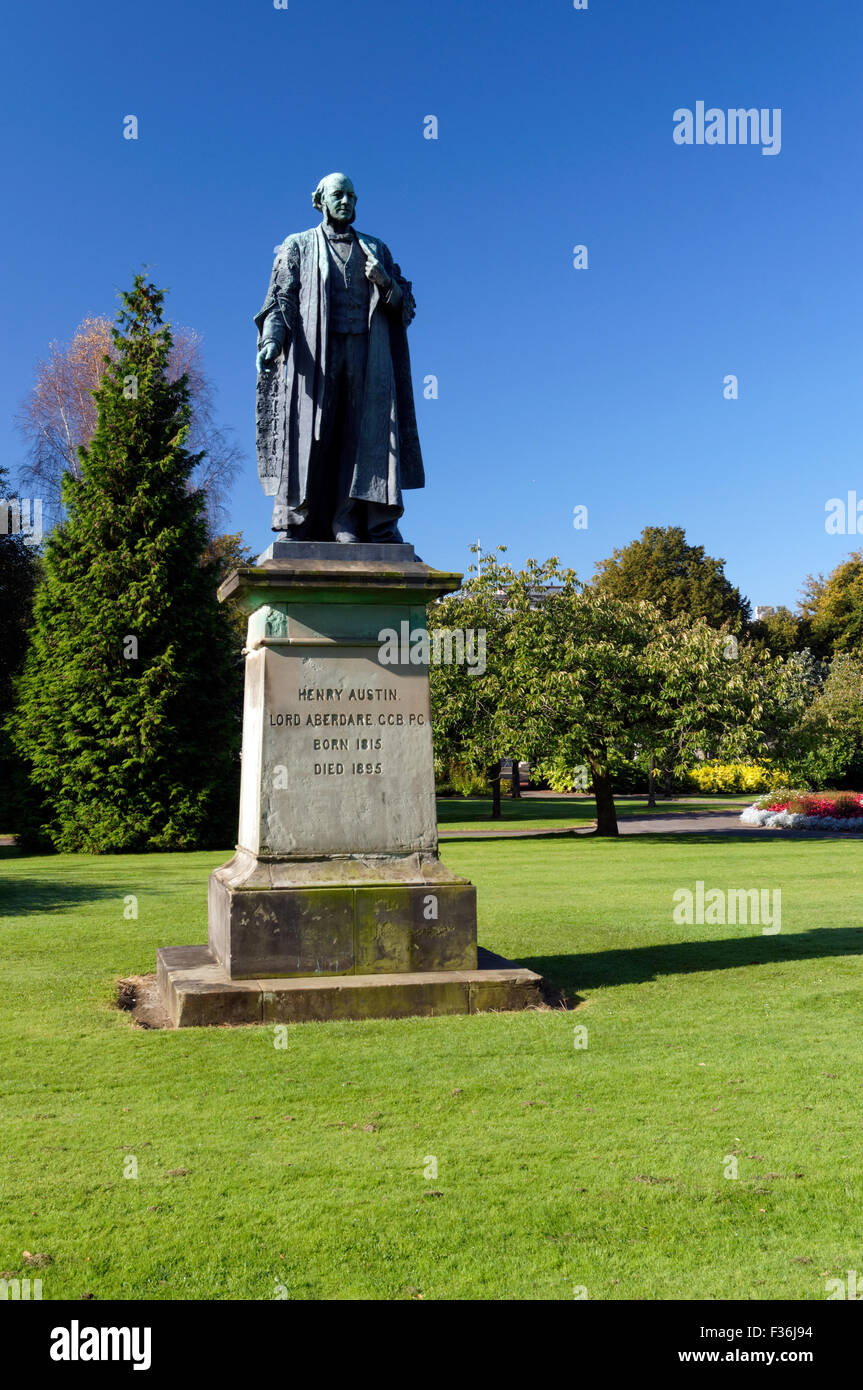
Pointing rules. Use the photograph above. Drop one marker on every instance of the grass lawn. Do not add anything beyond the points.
(556, 1167)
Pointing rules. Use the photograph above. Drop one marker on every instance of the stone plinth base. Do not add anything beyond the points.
(340, 917)
(197, 992)
(336, 904)
(331, 550)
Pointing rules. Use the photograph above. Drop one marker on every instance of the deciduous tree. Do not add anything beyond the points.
(579, 678)
(679, 578)
(58, 415)
(833, 608)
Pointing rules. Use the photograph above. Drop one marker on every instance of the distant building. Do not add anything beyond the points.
(762, 611)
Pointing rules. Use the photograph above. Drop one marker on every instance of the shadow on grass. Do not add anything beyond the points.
(641, 964)
(457, 810)
(477, 809)
(513, 832)
(22, 897)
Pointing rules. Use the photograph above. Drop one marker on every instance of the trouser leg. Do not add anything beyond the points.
(382, 522)
(312, 521)
(348, 513)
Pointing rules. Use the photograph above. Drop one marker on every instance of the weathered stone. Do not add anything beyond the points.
(366, 996)
(295, 931)
(337, 753)
(325, 550)
(504, 989)
(246, 871)
(198, 993)
(337, 580)
(415, 929)
(335, 904)
(339, 930)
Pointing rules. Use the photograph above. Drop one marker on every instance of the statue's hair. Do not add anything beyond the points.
(318, 195)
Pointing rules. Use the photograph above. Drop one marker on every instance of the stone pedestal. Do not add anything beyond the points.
(336, 903)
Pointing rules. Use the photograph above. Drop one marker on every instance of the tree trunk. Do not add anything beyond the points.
(516, 779)
(651, 782)
(606, 815)
(667, 778)
(494, 778)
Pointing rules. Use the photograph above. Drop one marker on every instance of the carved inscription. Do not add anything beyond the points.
(348, 717)
(347, 763)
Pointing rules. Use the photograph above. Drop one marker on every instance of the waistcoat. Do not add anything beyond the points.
(349, 292)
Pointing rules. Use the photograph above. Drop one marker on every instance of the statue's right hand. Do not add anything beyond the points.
(268, 356)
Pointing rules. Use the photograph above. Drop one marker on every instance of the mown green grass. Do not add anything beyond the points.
(557, 1167)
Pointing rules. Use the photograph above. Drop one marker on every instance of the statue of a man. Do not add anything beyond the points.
(337, 433)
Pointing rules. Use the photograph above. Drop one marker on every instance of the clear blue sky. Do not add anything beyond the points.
(557, 387)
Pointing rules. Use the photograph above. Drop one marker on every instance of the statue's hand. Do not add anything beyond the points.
(374, 270)
(268, 356)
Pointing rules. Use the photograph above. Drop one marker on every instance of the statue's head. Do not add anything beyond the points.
(336, 199)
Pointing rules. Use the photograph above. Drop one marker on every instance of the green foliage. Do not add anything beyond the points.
(678, 578)
(18, 571)
(466, 780)
(577, 678)
(227, 553)
(464, 705)
(833, 608)
(780, 632)
(125, 718)
(711, 776)
(825, 744)
(560, 775)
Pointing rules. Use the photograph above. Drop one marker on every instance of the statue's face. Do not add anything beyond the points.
(339, 199)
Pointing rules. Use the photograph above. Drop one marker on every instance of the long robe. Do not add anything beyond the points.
(292, 398)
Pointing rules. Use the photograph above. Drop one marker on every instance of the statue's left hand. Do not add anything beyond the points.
(374, 270)
(268, 356)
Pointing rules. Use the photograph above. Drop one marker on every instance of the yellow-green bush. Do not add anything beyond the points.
(735, 777)
(466, 780)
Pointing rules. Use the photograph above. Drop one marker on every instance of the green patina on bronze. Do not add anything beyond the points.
(337, 438)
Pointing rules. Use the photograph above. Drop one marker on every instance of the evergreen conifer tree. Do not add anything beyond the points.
(18, 569)
(126, 717)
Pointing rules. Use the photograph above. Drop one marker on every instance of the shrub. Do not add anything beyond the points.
(735, 777)
(466, 780)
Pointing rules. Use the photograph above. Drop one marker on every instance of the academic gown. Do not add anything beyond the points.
(292, 398)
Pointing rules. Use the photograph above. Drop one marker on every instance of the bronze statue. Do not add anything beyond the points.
(336, 425)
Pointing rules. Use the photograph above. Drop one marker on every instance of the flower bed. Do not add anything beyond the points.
(794, 810)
